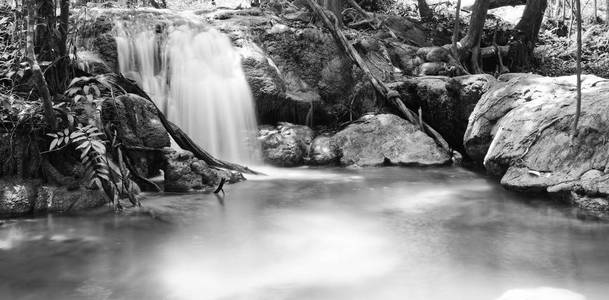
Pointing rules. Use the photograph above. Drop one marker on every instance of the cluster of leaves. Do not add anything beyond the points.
(10, 52)
(557, 55)
(84, 88)
(93, 151)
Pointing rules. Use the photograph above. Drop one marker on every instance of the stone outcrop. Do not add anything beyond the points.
(19, 197)
(138, 127)
(387, 139)
(521, 131)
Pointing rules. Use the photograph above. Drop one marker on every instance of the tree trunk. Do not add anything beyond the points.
(455, 38)
(38, 76)
(578, 106)
(424, 11)
(526, 32)
(471, 41)
(391, 96)
(335, 6)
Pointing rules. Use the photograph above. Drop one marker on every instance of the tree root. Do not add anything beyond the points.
(391, 96)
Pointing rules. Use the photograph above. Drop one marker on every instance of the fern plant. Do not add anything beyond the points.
(92, 155)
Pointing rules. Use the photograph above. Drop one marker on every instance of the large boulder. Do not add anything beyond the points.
(521, 131)
(286, 145)
(387, 139)
(138, 127)
(446, 103)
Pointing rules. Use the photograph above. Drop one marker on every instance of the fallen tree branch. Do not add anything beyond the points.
(392, 96)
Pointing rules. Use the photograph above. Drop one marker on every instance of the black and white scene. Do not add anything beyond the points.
(304, 149)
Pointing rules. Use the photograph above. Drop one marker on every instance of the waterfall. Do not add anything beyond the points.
(195, 77)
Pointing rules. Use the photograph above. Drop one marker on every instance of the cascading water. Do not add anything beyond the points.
(194, 75)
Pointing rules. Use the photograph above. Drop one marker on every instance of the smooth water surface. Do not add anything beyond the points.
(381, 233)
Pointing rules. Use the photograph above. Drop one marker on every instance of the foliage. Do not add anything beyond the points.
(92, 149)
(84, 89)
(556, 55)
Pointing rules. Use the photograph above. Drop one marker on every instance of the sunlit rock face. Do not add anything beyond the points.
(522, 132)
(323, 151)
(387, 139)
(541, 293)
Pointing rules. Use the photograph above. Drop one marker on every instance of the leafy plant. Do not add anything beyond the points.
(99, 171)
(92, 151)
(85, 89)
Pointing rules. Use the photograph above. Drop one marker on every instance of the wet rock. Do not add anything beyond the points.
(521, 131)
(16, 197)
(23, 197)
(286, 145)
(269, 89)
(185, 173)
(323, 151)
(381, 139)
(180, 168)
(137, 126)
(61, 199)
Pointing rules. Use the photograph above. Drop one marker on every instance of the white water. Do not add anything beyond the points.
(194, 75)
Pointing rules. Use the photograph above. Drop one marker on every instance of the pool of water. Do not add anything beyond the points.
(380, 233)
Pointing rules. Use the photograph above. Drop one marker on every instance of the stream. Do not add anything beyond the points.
(377, 233)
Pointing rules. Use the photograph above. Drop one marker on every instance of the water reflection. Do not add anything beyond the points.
(388, 233)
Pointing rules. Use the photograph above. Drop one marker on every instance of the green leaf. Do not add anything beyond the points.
(78, 98)
(53, 144)
(72, 91)
(86, 151)
(76, 134)
(84, 145)
(86, 89)
(78, 139)
(52, 135)
(99, 148)
(75, 80)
